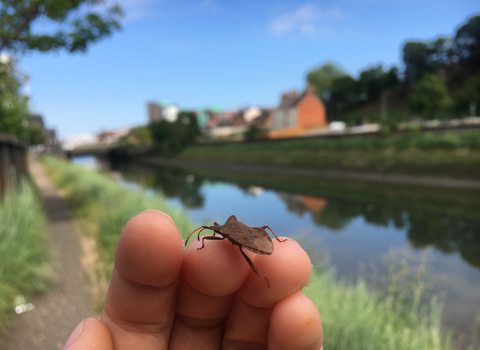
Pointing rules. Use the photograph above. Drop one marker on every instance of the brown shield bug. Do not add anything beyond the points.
(255, 239)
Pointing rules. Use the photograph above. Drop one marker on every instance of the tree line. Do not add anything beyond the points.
(75, 25)
(440, 79)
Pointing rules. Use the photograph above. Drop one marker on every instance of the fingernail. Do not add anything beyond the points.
(164, 214)
(75, 334)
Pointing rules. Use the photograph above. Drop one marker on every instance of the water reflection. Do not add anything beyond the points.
(425, 227)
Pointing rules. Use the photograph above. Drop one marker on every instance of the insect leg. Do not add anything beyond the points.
(201, 228)
(278, 239)
(250, 262)
(214, 238)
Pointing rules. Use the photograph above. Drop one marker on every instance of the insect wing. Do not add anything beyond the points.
(254, 239)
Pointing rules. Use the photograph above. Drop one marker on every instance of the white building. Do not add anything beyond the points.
(251, 113)
(168, 111)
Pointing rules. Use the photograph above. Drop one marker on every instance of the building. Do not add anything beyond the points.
(111, 136)
(202, 118)
(162, 111)
(154, 113)
(168, 111)
(37, 119)
(298, 112)
(264, 120)
(238, 119)
(251, 113)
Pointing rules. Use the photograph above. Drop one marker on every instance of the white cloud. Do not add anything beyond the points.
(304, 20)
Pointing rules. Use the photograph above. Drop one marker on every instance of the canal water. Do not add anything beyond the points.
(355, 227)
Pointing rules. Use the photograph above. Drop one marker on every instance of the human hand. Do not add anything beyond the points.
(161, 297)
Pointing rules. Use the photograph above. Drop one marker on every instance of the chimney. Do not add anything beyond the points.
(294, 93)
(284, 96)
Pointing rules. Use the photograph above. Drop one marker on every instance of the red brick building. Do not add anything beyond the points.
(298, 112)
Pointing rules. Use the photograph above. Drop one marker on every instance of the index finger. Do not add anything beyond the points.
(139, 306)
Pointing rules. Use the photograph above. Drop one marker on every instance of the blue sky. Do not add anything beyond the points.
(228, 53)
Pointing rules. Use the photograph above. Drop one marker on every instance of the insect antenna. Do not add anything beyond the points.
(201, 228)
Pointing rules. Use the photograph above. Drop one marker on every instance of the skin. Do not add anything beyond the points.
(162, 297)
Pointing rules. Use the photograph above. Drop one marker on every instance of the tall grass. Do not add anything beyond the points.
(354, 317)
(102, 207)
(24, 254)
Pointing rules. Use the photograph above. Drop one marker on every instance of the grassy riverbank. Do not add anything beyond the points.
(448, 154)
(24, 254)
(102, 207)
(353, 315)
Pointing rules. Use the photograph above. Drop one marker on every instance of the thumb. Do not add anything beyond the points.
(90, 334)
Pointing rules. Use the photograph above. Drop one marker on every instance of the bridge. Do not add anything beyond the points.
(107, 150)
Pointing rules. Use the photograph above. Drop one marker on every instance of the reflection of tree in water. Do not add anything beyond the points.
(172, 182)
(447, 234)
(293, 202)
(176, 183)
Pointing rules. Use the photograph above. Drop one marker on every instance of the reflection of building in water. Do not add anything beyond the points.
(314, 204)
(300, 204)
(251, 190)
(255, 190)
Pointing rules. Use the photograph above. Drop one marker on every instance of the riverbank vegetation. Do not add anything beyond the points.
(101, 208)
(24, 255)
(448, 154)
(353, 315)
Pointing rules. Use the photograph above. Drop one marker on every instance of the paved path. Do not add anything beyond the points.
(68, 300)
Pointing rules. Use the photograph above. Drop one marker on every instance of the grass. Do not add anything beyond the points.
(448, 154)
(354, 316)
(102, 207)
(24, 254)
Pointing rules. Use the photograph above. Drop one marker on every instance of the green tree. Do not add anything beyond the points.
(391, 79)
(344, 89)
(323, 78)
(77, 24)
(372, 81)
(13, 106)
(470, 92)
(416, 59)
(139, 136)
(173, 137)
(467, 45)
(430, 96)
(254, 132)
(36, 135)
